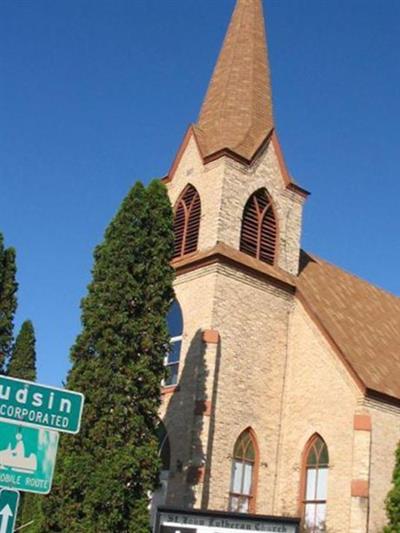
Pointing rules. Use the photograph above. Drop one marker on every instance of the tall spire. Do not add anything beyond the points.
(237, 111)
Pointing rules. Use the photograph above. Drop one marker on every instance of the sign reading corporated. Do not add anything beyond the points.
(192, 521)
(38, 405)
(27, 457)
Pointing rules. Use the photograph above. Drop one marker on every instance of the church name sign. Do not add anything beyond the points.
(40, 406)
(179, 521)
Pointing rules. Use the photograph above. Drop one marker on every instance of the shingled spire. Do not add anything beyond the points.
(237, 112)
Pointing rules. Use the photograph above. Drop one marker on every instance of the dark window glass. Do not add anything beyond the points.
(175, 326)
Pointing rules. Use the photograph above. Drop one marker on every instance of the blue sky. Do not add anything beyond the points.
(96, 94)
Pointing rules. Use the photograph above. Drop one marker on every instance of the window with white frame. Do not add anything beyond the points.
(315, 474)
(175, 327)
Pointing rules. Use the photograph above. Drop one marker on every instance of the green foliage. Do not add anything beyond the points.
(31, 511)
(105, 473)
(8, 301)
(393, 499)
(22, 363)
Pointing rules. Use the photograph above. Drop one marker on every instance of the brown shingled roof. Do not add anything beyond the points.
(362, 320)
(237, 111)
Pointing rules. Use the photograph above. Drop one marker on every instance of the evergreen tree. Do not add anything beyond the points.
(8, 301)
(106, 472)
(22, 363)
(393, 499)
(31, 513)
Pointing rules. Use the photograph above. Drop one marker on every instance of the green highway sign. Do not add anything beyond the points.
(40, 406)
(27, 458)
(9, 500)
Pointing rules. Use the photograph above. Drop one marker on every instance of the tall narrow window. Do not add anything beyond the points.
(259, 231)
(316, 464)
(175, 327)
(241, 497)
(187, 222)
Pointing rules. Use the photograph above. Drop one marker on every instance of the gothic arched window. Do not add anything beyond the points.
(243, 477)
(187, 222)
(315, 489)
(175, 328)
(164, 447)
(160, 494)
(259, 229)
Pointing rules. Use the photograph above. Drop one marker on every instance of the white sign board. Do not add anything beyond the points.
(177, 521)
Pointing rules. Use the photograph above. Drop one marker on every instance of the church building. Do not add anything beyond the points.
(283, 395)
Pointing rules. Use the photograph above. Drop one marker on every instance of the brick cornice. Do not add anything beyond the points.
(202, 408)
(210, 336)
(195, 475)
(362, 423)
(224, 254)
(359, 488)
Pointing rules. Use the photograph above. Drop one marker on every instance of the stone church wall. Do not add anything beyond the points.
(385, 422)
(320, 397)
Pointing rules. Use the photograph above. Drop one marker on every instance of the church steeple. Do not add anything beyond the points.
(237, 111)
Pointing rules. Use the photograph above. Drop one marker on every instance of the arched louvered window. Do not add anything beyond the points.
(187, 222)
(315, 485)
(259, 229)
(243, 477)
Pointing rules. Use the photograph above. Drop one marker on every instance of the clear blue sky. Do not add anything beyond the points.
(95, 94)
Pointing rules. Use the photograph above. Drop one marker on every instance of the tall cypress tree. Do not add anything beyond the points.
(8, 301)
(393, 499)
(22, 363)
(105, 473)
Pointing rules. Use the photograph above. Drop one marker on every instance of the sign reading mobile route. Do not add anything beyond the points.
(36, 405)
(27, 457)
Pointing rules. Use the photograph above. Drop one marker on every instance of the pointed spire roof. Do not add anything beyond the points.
(237, 112)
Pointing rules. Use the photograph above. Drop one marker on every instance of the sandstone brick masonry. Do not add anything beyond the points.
(258, 354)
(272, 370)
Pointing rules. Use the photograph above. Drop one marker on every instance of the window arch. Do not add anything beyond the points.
(259, 228)
(164, 448)
(160, 494)
(244, 473)
(175, 328)
(187, 222)
(315, 485)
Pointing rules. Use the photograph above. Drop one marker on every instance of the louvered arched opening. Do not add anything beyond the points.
(187, 222)
(259, 229)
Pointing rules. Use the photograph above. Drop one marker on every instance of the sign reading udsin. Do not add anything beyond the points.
(27, 457)
(38, 405)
